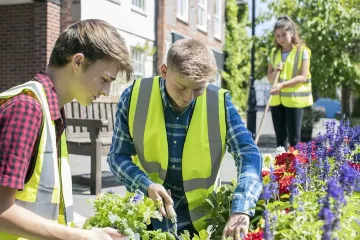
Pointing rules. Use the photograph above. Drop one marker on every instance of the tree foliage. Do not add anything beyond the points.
(331, 29)
(237, 53)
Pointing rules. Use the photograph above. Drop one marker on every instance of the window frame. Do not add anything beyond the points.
(218, 17)
(137, 8)
(138, 62)
(203, 7)
(182, 16)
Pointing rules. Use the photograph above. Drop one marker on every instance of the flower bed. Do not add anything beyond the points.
(310, 192)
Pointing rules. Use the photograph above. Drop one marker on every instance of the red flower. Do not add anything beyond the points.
(356, 166)
(279, 172)
(284, 159)
(284, 184)
(255, 235)
(265, 173)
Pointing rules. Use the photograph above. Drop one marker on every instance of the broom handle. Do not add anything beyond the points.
(266, 109)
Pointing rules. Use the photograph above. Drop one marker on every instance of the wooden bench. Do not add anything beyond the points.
(89, 132)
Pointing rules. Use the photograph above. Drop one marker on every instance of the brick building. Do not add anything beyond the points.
(203, 20)
(29, 28)
(28, 31)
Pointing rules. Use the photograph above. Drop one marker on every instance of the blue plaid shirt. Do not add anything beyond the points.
(238, 140)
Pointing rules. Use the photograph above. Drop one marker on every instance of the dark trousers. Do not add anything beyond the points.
(287, 123)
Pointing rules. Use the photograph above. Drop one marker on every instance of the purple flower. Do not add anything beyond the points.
(327, 215)
(267, 230)
(138, 196)
(273, 185)
(266, 195)
(293, 191)
(335, 190)
(347, 178)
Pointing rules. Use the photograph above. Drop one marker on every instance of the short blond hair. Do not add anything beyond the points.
(192, 59)
(97, 40)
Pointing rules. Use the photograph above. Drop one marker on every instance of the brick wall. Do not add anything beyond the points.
(27, 35)
(66, 17)
(160, 34)
(16, 44)
(168, 23)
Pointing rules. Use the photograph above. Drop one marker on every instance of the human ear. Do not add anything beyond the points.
(77, 61)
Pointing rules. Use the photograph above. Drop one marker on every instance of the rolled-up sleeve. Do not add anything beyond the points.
(248, 161)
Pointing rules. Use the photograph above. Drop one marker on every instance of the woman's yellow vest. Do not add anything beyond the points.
(298, 96)
(48, 193)
(204, 146)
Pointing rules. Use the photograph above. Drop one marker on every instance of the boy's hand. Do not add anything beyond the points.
(237, 226)
(158, 194)
(105, 234)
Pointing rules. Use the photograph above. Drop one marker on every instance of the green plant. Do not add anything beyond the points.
(237, 53)
(130, 215)
(310, 117)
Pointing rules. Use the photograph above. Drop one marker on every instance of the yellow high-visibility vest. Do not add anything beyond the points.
(204, 146)
(48, 193)
(299, 95)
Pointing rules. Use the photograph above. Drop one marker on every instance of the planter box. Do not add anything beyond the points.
(306, 135)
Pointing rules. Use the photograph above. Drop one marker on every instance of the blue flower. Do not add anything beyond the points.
(274, 186)
(347, 178)
(138, 196)
(267, 229)
(327, 215)
(266, 195)
(335, 190)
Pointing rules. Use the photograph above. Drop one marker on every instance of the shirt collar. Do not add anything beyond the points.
(166, 100)
(52, 98)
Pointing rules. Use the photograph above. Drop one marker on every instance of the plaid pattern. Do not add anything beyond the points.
(20, 121)
(238, 140)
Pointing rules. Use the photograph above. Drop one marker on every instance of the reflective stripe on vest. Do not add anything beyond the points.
(41, 194)
(297, 96)
(203, 149)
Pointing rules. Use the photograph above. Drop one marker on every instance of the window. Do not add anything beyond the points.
(139, 63)
(139, 4)
(182, 10)
(217, 19)
(202, 15)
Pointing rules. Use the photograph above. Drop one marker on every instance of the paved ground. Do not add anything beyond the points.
(81, 169)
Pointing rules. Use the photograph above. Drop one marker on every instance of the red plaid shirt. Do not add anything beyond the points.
(20, 127)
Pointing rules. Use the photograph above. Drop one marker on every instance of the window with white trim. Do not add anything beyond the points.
(182, 10)
(217, 19)
(138, 57)
(202, 15)
(139, 4)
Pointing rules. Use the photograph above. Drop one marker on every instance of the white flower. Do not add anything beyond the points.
(280, 150)
(113, 218)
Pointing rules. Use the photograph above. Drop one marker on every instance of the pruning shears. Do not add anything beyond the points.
(171, 214)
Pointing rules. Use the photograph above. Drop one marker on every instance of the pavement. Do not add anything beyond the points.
(80, 166)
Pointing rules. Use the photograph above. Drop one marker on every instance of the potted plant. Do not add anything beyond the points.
(310, 117)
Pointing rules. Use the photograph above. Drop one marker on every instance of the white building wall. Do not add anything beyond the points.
(137, 27)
